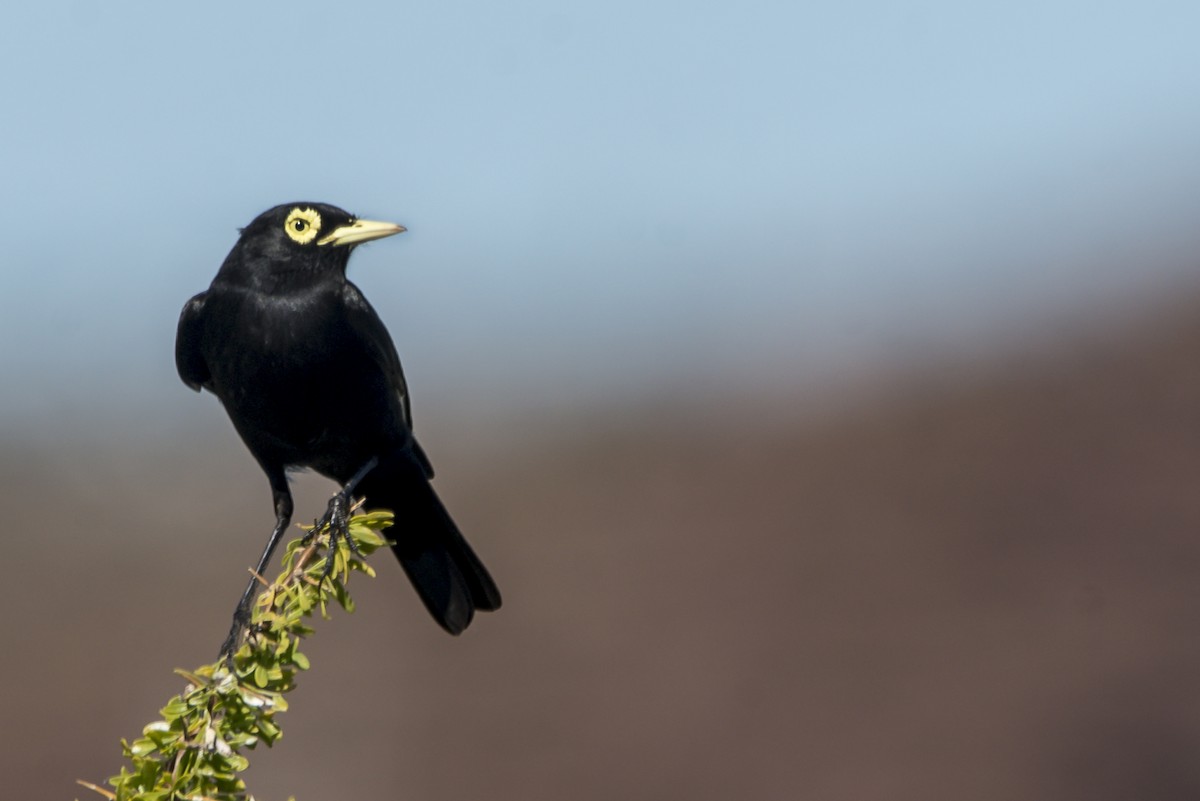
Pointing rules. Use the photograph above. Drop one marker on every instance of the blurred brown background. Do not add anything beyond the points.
(819, 380)
(972, 579)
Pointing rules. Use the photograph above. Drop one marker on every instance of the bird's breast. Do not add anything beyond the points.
(297, 380)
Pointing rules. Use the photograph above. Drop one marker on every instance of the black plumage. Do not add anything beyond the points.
(310, 378)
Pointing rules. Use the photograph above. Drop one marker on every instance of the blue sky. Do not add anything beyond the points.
(598, 197)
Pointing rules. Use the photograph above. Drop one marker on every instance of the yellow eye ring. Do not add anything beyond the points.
(302, 225)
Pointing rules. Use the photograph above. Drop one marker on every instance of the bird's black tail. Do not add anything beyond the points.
(446, 573)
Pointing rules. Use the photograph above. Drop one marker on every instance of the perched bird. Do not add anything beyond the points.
(310, 379)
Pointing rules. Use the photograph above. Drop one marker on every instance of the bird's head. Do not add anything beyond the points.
(298, 239)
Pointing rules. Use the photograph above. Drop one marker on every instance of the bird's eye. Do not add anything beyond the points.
(302, 225)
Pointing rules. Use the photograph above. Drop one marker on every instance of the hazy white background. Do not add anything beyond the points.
(602, 199)
(981, 589)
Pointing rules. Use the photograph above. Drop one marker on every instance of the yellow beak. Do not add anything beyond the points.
(360, 231)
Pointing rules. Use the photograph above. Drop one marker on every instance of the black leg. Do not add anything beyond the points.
(336, 517)
(283, 518)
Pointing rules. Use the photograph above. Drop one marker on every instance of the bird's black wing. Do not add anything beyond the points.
(446, 573)
(189, 359)
(375, 338)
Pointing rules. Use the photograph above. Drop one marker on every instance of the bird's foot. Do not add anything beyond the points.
(241, 621)
(337, 520)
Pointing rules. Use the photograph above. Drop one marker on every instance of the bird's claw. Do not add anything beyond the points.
(337, 520)
(241, 621)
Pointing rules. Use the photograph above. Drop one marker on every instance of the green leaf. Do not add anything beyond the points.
(175, 708)
(142, 747)
(196, 678)
(262, 676)
(196, 750)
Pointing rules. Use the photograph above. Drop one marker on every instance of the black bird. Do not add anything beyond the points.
(310, 378)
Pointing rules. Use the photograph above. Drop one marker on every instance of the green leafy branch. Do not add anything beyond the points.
(194, 753)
